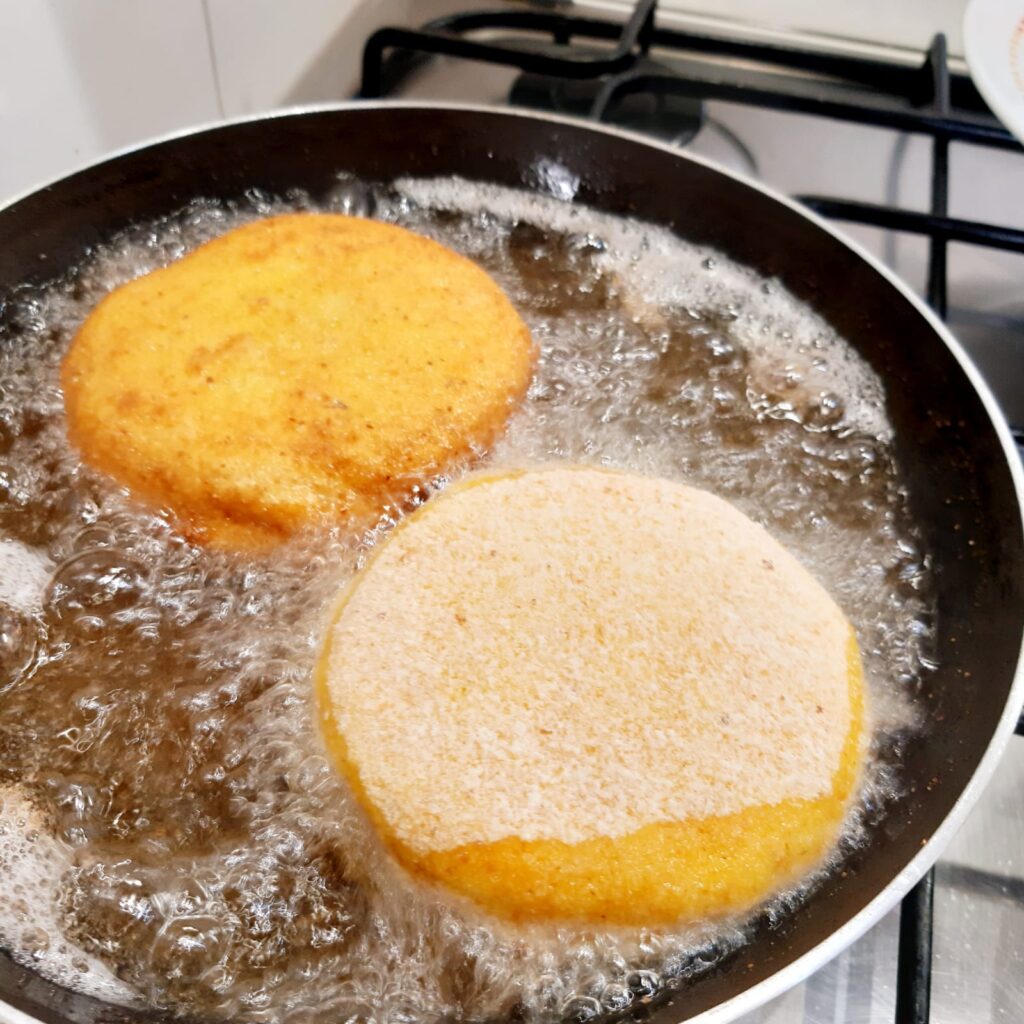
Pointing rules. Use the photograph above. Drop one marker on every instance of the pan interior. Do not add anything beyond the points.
(205, 850)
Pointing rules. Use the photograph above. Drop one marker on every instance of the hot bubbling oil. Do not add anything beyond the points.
(156, 705)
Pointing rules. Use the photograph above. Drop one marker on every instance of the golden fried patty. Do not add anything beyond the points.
(300, 368)
(580, 694)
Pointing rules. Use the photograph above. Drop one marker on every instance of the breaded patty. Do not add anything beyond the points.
(302, 368)
(580, 694)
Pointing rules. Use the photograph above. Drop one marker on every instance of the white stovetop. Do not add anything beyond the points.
(906, 23)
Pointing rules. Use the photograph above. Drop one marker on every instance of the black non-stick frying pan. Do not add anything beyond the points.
(963, 472)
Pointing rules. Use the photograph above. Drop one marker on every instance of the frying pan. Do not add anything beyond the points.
(962, 469)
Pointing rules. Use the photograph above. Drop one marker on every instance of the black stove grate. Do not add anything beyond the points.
(614, 57)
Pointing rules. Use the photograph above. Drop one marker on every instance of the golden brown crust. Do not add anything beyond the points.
(301, 368)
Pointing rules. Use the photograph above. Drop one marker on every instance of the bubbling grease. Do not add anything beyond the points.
(178, 815)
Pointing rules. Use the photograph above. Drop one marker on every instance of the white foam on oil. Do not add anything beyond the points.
(32, 863)
(657, 269)
(220, 865)
(24, 574)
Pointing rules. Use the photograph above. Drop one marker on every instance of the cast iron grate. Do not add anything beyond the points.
(558, 50)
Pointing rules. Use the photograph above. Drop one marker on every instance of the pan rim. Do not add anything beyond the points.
(792, 974)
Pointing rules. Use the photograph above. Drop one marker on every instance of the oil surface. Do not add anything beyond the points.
(165, 792)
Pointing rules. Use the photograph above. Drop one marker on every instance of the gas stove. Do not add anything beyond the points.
(899, 147)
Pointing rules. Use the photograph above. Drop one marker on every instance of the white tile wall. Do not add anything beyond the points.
(268, 52)
(81, 77)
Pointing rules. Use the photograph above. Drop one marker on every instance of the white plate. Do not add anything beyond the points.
(994, 47)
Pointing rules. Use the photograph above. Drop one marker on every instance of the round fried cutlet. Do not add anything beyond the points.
(579, 694)
(303, 368)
